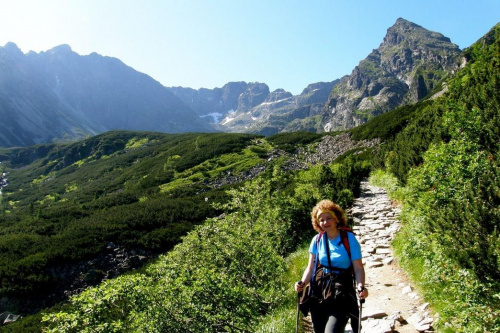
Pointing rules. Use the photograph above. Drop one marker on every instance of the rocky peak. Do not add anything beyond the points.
(232, 90)
(278, 95)
(404, 30)
(12, 50)
(255, 94)
(11, 47)
(407, 36)
(61, 49)
(318, 86)
(405, 68)
(395, 34)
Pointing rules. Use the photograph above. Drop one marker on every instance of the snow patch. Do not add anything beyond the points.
(228, 119)
(215, 116)
(278, 101)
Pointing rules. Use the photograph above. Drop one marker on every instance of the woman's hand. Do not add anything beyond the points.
(362, 291)
(299, 286)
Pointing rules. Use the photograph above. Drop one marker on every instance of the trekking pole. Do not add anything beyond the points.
(361, 301)
(298, 310)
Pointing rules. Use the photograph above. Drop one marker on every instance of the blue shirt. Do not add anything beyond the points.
(338, 253)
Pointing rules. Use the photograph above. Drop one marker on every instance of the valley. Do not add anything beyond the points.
(106, 232)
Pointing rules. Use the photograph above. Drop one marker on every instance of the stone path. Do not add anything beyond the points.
(392, 305)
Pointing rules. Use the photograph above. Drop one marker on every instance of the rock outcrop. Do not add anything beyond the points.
(331, 147)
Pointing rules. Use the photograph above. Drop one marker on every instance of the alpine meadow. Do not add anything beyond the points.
(142, 231)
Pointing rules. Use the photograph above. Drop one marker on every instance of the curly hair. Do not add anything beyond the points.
(328, 205)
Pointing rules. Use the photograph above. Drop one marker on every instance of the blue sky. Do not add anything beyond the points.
(207, 43)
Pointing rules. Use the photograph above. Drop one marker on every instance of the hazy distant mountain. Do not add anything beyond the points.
(405, 68)
(59, 94)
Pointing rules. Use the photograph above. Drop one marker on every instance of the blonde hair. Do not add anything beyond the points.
(327, 206)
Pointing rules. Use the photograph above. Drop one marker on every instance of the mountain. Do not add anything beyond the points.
(214, 104)
(60, 95)
(253, 108)
(282, 112)
(408, 64)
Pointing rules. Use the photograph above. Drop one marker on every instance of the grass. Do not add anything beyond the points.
(234, 163)
(283, 318)
(136, 143)
(390, 183)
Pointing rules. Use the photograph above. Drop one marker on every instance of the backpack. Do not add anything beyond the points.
(333, 283)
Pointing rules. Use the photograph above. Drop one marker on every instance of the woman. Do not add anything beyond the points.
(331, 316)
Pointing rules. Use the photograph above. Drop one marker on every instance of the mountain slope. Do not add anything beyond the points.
(405, 68)
(74, 214)
(65, 203)
(60, 95)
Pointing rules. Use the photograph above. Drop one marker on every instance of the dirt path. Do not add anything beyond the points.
(393, 305)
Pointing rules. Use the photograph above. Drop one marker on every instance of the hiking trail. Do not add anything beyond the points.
(392, 305)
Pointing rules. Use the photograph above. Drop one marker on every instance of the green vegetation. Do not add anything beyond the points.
(291, 141)
(67, 204)
(202, 285)
(139, 190)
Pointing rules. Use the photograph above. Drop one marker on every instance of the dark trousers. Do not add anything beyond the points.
(332, 316)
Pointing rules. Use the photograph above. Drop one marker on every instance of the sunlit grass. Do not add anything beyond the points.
(283, 319)
(136, 143)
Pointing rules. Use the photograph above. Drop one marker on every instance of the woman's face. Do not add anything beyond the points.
(327, 221)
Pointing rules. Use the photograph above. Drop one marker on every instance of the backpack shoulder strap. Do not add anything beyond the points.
(316, 260)
(345, 241)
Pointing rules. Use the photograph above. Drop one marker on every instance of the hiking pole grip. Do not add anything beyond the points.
(361, 300)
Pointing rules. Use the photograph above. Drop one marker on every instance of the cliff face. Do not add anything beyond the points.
(279, 111)
(252, 107)
(405, 68)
